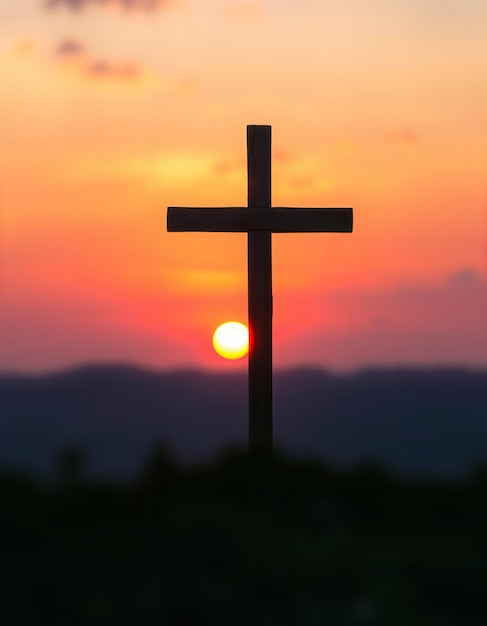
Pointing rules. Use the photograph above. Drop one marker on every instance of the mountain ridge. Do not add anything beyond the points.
(411, 420)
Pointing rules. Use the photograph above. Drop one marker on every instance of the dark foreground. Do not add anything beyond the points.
(293, 542)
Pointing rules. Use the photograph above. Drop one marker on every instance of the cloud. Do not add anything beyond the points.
(226, 167)
(457, 304)
(144, 5)
(24, 48)
(402, 136)
(465, 277)
(281, 155)
(69, 48)
(120, 71)
(427, 324)
(74, 54)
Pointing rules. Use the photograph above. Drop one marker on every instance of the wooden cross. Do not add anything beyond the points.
(259, 220)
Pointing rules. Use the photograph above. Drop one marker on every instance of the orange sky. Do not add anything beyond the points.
(110, 114)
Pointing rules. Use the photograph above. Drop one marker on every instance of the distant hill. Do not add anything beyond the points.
(411, 420)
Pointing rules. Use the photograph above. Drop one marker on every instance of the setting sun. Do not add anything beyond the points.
(231, 340)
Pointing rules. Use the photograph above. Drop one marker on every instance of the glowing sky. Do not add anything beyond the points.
(112, 110)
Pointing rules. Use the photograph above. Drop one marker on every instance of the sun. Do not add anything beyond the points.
(231, 340)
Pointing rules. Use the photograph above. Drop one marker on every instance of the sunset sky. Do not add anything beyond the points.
(112, 110)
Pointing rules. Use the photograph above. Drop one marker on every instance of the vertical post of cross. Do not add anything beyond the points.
(260, 294)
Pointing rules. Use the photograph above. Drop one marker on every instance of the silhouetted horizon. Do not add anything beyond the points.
(231, 368)
(412, 421)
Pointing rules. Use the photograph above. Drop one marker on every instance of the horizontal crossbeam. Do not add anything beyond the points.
(276, 220)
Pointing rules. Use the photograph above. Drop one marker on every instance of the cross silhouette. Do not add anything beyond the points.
(259, 220)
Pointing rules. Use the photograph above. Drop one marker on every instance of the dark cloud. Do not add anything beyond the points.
(105, 69)
(74, 54)
(78, 5)
(69, 48)
(465, 277)
(416, 325)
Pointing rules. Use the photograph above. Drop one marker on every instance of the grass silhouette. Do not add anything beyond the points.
(245, 542)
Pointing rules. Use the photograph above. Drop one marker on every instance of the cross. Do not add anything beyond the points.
(259, 221)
